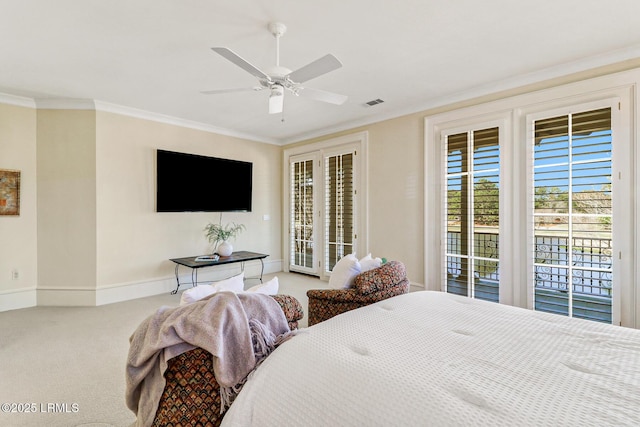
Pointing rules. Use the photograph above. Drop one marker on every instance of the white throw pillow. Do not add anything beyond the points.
(368, 263)
(233, 284)
(267, 288)
(196, 293)
(344, 272)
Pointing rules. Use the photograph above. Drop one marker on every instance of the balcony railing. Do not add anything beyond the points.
(585, 265)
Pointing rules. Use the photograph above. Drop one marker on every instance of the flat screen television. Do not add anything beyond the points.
(195, 183)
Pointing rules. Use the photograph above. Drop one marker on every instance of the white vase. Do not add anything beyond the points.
(225, 249)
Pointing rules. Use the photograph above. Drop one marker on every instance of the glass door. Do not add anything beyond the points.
(573, 215)
(322, 209)
(302, 222)
(339, 192)
(473, 213)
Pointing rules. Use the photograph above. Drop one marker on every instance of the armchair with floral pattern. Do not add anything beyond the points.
(371, 286)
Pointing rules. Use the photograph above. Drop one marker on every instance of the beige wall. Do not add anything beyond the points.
(18, 237)
(66, 203)
(135, 243)
(396, 192)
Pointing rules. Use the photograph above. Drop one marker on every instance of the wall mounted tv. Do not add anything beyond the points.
(194, 183)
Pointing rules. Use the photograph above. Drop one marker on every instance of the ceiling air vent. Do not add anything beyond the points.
(374, 102)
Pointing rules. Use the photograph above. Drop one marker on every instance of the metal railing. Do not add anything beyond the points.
(585, 265)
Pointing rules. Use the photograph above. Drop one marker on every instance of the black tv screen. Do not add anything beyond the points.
(194, 183)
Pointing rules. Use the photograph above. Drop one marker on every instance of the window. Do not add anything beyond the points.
(573, 214)
(472, 213)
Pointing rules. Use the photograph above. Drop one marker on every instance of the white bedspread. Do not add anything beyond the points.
(430, 358)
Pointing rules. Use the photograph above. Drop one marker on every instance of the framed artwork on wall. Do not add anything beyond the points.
(9, 192)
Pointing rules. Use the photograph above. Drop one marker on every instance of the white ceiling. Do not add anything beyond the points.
(155, 56)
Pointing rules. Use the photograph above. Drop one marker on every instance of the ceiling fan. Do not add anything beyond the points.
(280, 79)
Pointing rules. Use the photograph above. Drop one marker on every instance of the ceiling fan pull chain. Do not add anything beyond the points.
(282, 118)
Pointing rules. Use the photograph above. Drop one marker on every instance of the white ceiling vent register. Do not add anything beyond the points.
(374, 102)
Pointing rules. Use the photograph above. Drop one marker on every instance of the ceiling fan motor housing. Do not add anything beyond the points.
(277, 28)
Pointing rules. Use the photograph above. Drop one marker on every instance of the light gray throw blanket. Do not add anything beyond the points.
(221, 324)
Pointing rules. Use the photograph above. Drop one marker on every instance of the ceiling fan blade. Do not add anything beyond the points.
(316, 68)
(238, 89)
(240, 62)
(324, 96)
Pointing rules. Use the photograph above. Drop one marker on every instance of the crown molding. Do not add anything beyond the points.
(64, 104)
(20, 101)
(161, 118)
(96, 105)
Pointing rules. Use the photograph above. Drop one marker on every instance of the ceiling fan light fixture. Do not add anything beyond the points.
(276, 99)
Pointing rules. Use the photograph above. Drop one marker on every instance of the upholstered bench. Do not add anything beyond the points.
(191, 396)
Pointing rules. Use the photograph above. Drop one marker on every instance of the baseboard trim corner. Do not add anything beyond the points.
(17, 299)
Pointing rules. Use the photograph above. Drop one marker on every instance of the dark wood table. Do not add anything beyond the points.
(239, 256)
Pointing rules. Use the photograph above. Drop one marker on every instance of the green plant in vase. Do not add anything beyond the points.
(219, 235)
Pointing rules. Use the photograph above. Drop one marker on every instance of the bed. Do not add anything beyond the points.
(431, 358)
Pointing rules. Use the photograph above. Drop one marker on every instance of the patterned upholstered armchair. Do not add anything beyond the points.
(191, 396)
(371, 286)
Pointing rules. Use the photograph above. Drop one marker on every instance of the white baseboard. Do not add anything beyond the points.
(129, 291)
(105, 295)
(16, 299)
(413, 287)
(66, 297)
(12, 300)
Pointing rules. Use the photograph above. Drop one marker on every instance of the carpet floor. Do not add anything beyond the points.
(64, 366)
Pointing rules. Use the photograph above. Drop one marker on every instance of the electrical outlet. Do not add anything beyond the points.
(15, 274)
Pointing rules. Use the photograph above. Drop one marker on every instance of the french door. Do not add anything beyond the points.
(322, 210)
(339, 192)
(472, 213)
(573, 214)
(303, 221)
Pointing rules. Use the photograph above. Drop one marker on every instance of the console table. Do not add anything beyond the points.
(239, 256)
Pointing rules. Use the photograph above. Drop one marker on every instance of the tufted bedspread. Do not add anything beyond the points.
(435, 359)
